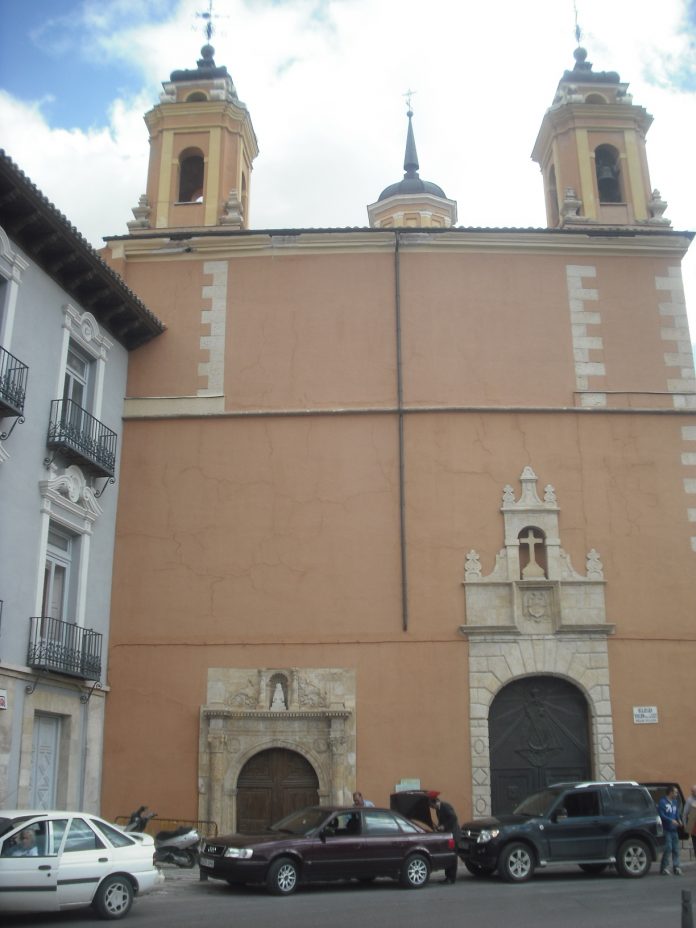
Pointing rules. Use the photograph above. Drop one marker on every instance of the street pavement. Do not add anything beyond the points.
(554, 898)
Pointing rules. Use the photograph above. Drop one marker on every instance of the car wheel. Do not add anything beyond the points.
(633, 859)
(415, 872)
(283, 877)
(114, 897)
(478, 869)
(593, 868)
(516, 863)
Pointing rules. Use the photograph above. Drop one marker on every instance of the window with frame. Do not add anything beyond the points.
(77, 387)
(582, 805)
(55, 600)
(77, 377)
(380, 823)
(82, 838)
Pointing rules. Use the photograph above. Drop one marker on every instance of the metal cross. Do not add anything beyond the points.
(408, 95)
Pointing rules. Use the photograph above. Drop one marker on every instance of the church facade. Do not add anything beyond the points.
(413, 504)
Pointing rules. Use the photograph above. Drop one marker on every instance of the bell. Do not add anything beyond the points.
(605, 172)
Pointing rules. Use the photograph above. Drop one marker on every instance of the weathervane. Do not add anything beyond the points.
(208, 17)
(578, 30)
(408, 95)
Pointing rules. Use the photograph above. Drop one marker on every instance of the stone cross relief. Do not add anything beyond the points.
(532, 569)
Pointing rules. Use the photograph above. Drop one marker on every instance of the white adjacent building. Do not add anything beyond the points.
(67, 325)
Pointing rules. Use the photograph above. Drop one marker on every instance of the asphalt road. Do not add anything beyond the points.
(559, 897)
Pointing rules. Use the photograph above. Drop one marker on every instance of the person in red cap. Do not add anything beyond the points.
(446, 821)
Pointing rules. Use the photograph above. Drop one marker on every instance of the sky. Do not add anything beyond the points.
(324, 81)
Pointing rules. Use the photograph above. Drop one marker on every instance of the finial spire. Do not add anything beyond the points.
(411, 156)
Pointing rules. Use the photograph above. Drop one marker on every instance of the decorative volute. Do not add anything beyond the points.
(412, 202)
(591, 150)
(202, 146)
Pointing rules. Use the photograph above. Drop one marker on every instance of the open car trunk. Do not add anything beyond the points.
(413, 804)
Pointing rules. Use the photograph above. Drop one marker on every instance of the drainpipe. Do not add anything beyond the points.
(400, 415)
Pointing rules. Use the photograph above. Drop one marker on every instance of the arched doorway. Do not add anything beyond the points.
(539, 734)
(273, 784)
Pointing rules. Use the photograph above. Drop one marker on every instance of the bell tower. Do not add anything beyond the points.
(591, 151)
(202, 147)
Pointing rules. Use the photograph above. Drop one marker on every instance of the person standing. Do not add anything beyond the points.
(668, 810)
(689, 816)
(446, 821)
(359, 800)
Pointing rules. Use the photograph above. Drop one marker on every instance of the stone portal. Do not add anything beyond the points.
(306, 714)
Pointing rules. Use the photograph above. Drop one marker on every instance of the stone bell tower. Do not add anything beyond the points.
(202, 146)
(591, 150)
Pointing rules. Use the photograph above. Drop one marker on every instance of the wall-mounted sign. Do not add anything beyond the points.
(645, 715)
(405, 784)
(3, 699)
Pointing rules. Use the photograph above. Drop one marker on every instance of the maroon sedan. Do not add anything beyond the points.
(325, 843)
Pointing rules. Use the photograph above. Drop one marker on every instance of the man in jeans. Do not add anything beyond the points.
(669, 813)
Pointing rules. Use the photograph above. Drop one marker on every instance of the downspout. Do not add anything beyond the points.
(400, 415)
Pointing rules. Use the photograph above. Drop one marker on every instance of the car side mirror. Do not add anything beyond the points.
(560, 815)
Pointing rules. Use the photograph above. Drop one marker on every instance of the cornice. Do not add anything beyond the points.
(223, 244)
(284, 714)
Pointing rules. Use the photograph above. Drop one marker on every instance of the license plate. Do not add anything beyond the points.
(206, 862)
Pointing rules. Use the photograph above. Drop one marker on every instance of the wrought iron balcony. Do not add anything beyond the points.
(81, 437)
(64, 647)
(13, 384)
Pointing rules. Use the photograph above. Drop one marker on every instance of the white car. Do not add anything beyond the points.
(53, 861)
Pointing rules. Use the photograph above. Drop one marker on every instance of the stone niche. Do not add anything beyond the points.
(534, 614)
(307, 710)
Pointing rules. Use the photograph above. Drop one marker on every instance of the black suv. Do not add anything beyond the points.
(590, 824)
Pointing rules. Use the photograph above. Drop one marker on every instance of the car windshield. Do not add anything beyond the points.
(300, 823)
(538, 803)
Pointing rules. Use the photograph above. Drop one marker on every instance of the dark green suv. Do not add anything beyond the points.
(589, 824)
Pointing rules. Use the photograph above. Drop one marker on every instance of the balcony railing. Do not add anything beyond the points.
(13, 384)
(79, 436)
(64, 647)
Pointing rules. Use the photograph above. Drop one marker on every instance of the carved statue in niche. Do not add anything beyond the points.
(278, 702)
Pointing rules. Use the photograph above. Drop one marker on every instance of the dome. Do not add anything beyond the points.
(411, 184)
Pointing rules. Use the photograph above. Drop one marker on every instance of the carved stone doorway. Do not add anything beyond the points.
(539, 734)
(271, 785)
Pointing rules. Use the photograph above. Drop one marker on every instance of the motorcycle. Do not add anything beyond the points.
(178, 847)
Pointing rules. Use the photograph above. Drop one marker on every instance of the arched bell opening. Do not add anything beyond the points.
(191, 176)
(608, 174)
(553, 197)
